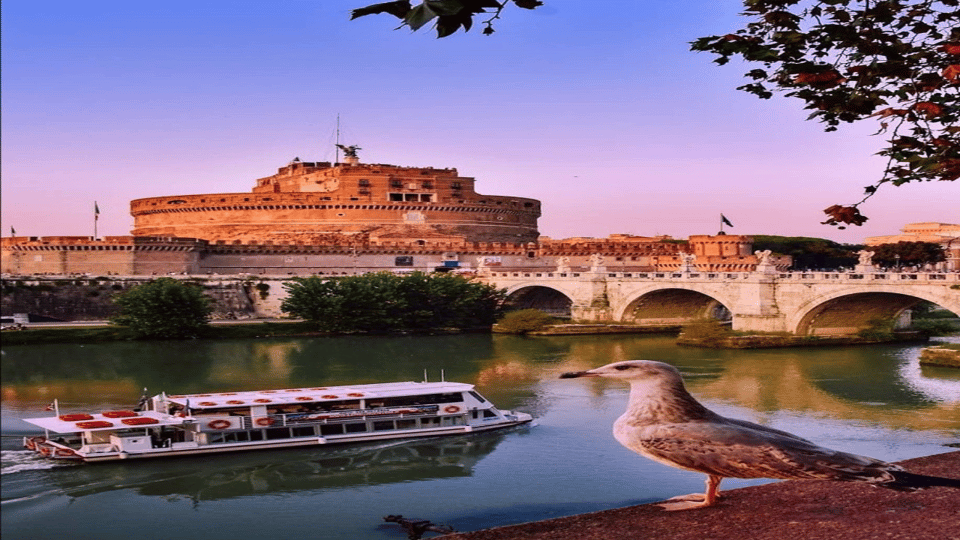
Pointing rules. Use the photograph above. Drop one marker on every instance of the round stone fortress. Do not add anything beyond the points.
(344, 203)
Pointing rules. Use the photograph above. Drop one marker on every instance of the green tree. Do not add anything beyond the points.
(809, 253)
(894, 61)
(908, 254)
(163, 308)
(384, 302)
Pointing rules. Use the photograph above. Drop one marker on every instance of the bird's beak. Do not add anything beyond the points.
(578, 374)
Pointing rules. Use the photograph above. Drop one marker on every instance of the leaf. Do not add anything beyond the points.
(398, 9)
(952, 72)
(528, 4)
(419, 16)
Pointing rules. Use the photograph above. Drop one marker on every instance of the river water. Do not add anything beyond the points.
(873, 400)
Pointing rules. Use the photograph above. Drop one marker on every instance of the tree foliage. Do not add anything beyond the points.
(385, 302)
(523, 321)
(893, 61)
(163, 308)
(449, 15)
(809, 253)
(908, 253)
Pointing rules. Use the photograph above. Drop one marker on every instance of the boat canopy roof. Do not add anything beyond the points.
(68, 423)
(313, 394)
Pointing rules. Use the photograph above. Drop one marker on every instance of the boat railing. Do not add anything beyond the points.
(319, 417)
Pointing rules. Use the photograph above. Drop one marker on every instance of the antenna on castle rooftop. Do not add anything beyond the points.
(337, 145)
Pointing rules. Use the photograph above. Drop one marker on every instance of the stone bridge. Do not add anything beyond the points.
(802, 303)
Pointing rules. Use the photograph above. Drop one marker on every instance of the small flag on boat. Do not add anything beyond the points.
(725, 221)
(51, 406)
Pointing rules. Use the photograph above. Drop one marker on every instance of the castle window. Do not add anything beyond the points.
(404, 260)
(364, 182)
(177, 201)
(427, 184)
(454, 185)
(396, 196)
(396, 183)
(412, 197)
(426, 197)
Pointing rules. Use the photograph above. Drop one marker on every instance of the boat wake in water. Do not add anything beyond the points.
(14, 461)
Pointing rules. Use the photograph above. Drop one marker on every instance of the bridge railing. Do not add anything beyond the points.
(831, 277)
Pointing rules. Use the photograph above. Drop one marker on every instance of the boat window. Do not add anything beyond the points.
(478, 397)
(278, 433)
(487, 413)
(356, 428)
(452, 420)
(382, 425)
(256, 435)
(431, 421)
(305, 431)
(406, 424)
(428, 399)
(331, 429)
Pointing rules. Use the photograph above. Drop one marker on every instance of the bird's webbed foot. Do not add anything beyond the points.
(686, 502)
(695, 500)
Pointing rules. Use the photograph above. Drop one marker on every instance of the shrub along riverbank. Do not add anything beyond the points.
(99, 334)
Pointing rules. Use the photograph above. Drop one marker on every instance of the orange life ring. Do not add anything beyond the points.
(141, 421)
(207, 404)
(75, 417)
(202, 395)
(304, 398)
(262, 400)
(268, 391)
(235, 402)
(44, 450)
(117, 414)
(355, 394)
(330, 396)
(320, 389)
(295, 390)
(219, 424)
(31, 442)
(94, 424)
(451, 409)
(64, 452)
(227, 394)
(265, 421)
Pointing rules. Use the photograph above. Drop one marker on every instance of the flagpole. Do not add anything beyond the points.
(96, 218)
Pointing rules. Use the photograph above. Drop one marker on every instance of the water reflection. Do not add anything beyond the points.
(284, 471)
(882, 384)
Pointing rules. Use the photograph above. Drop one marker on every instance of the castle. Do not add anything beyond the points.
(349, 218)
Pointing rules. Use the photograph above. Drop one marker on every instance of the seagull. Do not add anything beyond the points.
(663, 422)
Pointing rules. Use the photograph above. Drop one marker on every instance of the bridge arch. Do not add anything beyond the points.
(673, 305)
(551, 300)
(851, 310)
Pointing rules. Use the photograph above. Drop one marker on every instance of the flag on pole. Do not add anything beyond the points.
(13, 232)
(96, 211)
(725, 221)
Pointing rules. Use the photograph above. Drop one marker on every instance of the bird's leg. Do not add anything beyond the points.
(695, 500)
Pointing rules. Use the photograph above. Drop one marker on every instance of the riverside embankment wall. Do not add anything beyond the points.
(91, 298)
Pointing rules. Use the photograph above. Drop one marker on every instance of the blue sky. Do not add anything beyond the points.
(596, 108)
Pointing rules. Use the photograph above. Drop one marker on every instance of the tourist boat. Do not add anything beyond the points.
(179, 425)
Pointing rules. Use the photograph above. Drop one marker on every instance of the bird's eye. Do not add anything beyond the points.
(623, 368)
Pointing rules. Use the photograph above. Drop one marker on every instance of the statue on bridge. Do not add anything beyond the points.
(866, 257)
(764, 261)
(596, 263)
(563, 265)
(688, 262)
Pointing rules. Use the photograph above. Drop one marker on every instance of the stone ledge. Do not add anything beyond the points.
(811, 510)
(940, 356)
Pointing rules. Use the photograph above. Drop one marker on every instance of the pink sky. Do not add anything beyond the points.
(604, 116)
